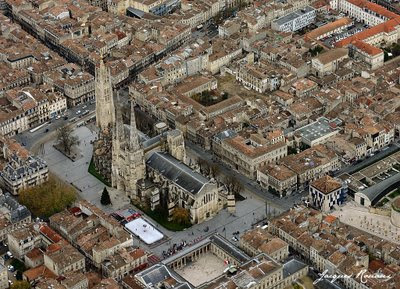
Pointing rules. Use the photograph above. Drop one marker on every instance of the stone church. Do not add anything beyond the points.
(152, 171)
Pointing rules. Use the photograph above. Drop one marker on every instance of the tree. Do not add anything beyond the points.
(48, 198)
(205, 166)
(66, 139)
(19, 276)
(233, 185)
(181, 216)
(214, 170)
(20, 285)
(105, 197)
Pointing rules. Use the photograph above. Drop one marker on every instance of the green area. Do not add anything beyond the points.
(292, 150)
(394, 49)
(383, 202)
(20, 285)
(161, 218)
(92, 170)
(316, 50)
(394, 194)
(208, 98)
(20, 268)
(48, 198)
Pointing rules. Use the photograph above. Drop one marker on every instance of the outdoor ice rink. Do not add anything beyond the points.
(208, 267)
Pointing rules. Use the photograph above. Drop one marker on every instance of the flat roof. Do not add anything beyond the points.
(144, 230)
(293, 15)
(317, 129)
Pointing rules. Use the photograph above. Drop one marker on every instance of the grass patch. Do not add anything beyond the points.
(92, 170)
(394, 194)
(383, 202)
(161, 218)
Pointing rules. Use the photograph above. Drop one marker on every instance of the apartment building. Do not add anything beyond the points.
(256, 241)
(99, 235)
(77, 86)
(362, 10)
(326, 192)
(61, 259)
(311, 163)
(124, 262)
(248, 153)
(277, 178)
(156, 7)
(20, 170)
(318, 132)
(23, 240)
(13, 215)
(257, 78)
(368, 53)
(295, 21)
(328, 62)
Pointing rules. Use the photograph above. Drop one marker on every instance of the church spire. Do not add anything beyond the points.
(119, 129)
(105, 112)
(133, 137)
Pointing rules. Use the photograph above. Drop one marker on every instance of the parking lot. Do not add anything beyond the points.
(351, 30)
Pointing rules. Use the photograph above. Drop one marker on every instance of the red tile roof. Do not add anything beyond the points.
(380, 28)
(50, 234)
(373, 7)
(367, 48)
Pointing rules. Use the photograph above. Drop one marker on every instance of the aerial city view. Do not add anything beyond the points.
(200, 144)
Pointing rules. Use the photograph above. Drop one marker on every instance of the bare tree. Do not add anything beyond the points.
(233, 185)
(66, 139)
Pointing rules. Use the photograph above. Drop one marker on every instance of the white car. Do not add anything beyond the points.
(58, 116)
(78, 112)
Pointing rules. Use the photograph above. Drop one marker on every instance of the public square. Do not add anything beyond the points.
(248, 212)
(204, 269)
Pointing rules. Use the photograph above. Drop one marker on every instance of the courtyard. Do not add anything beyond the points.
(204, 269)
(362, 218)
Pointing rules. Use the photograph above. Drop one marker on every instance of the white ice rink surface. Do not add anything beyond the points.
(146, 232)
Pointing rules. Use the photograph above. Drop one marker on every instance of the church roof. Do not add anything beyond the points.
(177, 172)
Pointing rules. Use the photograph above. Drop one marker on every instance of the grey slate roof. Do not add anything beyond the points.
(230, 248)
(292, 266)
(177, 172)
(159, 273)
(377, 191)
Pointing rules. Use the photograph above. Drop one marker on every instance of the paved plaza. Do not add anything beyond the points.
(76, 173)
(359, 217)
(248, 212)
(208, 267)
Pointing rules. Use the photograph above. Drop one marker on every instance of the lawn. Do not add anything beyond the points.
(383, 202)
(394, 194)
(162, 219)
(92, 170)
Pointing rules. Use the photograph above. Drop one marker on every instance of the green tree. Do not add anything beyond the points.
(105, 197)
(181, 216)
(66, 139)
(20, 285)
(18, 276)
(48, 198)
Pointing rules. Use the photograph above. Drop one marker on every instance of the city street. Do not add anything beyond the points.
(251, 186)
(31, 140)
(248, 212)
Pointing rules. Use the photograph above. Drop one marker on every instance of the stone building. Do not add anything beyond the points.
(149, 170)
